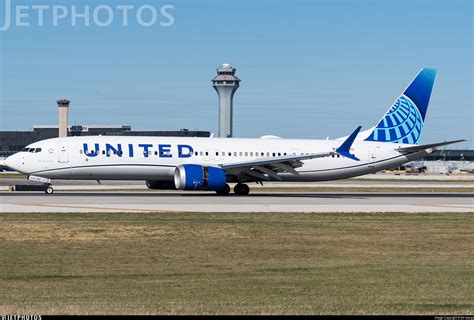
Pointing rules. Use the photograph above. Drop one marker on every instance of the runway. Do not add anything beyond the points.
(258, 202)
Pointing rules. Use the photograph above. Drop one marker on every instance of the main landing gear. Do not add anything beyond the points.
(225, 191)
(240, 189)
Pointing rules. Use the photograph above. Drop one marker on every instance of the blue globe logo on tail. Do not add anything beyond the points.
(403, 122)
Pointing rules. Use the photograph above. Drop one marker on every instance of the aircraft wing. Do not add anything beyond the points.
(271, 166)
(267, 169)
(423, 147)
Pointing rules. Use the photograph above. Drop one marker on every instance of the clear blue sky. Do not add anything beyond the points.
(309, 69)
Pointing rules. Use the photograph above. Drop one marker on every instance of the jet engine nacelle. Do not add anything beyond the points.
(197, 177)
(160, 185)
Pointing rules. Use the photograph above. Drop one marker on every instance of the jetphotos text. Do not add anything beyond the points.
(100, 15)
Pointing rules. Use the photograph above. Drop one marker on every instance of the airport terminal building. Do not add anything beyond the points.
(13, 141)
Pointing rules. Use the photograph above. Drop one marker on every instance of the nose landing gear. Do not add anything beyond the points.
(48, 189)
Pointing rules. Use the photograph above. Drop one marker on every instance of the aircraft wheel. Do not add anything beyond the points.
(241, 189)
(225, 191)
(49, 190)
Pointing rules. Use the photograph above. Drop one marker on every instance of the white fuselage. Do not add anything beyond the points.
(126, 157)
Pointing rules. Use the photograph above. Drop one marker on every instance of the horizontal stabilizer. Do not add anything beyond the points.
(344, 149)
(428, 146)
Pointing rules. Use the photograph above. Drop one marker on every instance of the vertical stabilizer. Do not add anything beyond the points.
(404, 121)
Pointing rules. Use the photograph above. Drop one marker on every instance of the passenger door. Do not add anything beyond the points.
(63, 151)
(372, 156)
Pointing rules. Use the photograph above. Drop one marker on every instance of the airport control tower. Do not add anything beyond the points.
(226, 84)
(63, 108)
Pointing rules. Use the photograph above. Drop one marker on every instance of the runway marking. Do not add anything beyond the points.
(444, 206)
(98, 208)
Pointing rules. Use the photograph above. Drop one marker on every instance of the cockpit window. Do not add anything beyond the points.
(32, 150)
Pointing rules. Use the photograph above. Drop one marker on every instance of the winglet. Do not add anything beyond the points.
(344, 149)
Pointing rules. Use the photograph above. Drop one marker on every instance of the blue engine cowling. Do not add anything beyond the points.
(197, 177)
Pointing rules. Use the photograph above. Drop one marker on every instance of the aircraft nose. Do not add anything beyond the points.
(10, 162)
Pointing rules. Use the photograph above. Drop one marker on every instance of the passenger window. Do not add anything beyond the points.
(223, 153)
(200, 153)
(279, 154)
(230, 154)
(263, 154)
(246, 154)
(274, 154)
(251, 154)
(207, 153)
(217, 153)
(240, 153)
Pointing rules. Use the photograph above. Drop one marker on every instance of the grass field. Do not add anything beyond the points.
(190, 263)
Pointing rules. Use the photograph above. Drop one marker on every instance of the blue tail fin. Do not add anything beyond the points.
(403, 122)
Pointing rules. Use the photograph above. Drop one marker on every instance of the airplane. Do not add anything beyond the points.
(210, 164)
